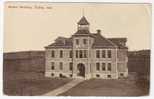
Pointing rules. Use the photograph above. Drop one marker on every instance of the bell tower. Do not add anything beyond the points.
(83, 24)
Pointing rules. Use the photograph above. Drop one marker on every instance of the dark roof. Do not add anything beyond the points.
(83, 21)
(80, 32)
(118, 41)
(102, 42)
(61, 42)
(99, 42)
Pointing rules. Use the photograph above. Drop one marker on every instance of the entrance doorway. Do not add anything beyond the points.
(81, 69)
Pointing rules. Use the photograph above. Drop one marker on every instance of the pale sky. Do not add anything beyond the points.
(31, 28)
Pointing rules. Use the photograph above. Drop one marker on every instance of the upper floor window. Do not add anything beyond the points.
(85, 41)
(97, 66)
(61, 66)
(52, 65)
(61, 54)
(71, 54)
(77, 53)
(52, 53)
(77, 41)
(109, 53)
(80, 54)
(103, 66)
(103, 53)
(109, 67)
(97, 54)
(85, 53)
(71, 66)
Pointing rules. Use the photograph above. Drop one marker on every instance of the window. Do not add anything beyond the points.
(77, 53)
(109, 53)
(109, 67)
(97, 75)
(85, 53)
(71, 54)
(52, 74)
(85, 41)
(52, 53)
(103, 53)
(60, 75)
(61, 54)
(70, 75)
(121, 74)
(61, 66)
(97, 54)
(109, 76)
(71, 66)
(97, 66)
(80, 54)
(52, 65)
(103, 66)
(77, 41)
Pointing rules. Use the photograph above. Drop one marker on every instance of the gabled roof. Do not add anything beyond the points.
(99, 42)
(61, 42)
(83, 21)
(102, 42)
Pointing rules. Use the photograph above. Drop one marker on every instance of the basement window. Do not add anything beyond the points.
(109, 76)
(52, 74)
(70, 75)
(97, 75)
(121, 74)
(60, 75)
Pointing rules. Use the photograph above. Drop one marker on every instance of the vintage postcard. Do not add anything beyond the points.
(76, 49)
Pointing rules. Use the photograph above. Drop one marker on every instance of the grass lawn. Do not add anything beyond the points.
(29, 83)
(99, 87)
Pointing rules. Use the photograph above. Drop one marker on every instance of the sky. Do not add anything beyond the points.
(32, 26)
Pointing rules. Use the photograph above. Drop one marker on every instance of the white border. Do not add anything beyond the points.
(107, 1)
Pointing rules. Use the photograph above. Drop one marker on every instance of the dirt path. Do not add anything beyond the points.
(64, 88)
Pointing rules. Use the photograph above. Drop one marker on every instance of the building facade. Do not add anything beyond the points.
(87, 55)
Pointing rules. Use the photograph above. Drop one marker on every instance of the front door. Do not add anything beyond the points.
(81, 70)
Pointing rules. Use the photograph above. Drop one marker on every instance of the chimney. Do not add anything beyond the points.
(98, 31)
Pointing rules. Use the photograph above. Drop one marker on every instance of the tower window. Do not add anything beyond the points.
(52, 53)
(52, 65)
(80, 54)
(109, 53)
(85, 41)
(77, 53)
(97, 54)
(61, 54)
(97, 66)
(77, 41)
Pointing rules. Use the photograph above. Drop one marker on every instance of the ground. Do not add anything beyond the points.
(99, 87)
(30, 83)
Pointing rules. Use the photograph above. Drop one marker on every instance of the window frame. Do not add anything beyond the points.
(98, 66)
(97, 53)
(61, 65)
(53, 53)
(77, 41)
(52, 65)
(61, 54)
